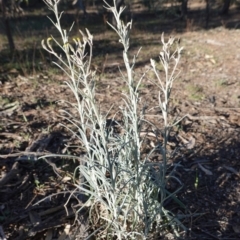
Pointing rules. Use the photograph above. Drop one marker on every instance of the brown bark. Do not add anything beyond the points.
(7, 26)
(184, 8)
(225, 7)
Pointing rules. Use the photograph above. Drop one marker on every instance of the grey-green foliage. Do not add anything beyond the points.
(125, 191)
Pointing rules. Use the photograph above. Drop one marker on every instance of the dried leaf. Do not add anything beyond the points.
(152, 144)
(191, 143)
(207, 172)
(212, 60)
(208, 56)
(66, 179)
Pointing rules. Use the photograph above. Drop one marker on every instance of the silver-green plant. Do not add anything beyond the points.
(124, 191)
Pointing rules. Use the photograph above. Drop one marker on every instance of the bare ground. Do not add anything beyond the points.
(207, 92)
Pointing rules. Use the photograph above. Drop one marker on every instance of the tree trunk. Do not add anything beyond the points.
(184, 8)
(7, 26)
(225, 7)
(207, 12)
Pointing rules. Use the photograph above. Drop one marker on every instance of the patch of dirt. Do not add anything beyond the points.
(35, 199)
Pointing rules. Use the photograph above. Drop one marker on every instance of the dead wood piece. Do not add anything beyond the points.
(45, 226)
(9, 176)
(51, 210)
(2, 235)
(52, 222)
(34, 218)
(41, 143)
(11, 135)
(60, 219)
(25, 184)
